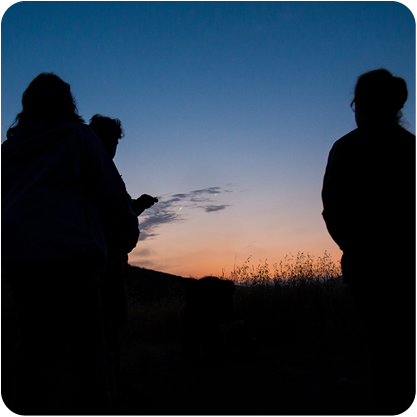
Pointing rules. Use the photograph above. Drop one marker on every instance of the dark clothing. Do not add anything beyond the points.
(114, 295)
(114, 288)
(369, 190)
(387, 312)
(61, 197)
(60, 355)
(369, 209)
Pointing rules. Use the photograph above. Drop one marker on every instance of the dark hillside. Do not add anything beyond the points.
(147, 286)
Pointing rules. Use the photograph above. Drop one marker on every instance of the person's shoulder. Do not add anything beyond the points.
(85, 134)
(405, 143)
(347, 140)
(406, 134)
(81, 128)
(352, 135)
(65, 129)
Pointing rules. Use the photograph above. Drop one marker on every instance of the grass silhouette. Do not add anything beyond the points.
(299, 300)
(289, 271)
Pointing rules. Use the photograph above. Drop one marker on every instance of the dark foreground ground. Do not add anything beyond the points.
(273, 382)
(312, 376)
(312, 358)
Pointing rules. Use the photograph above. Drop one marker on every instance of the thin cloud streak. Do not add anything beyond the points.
(170, 211)
(210, 209)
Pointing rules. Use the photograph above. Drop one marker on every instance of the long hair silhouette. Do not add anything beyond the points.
(47, 100)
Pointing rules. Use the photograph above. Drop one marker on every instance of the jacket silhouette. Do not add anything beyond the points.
(369, 209)
(60, 190)
(61, 197)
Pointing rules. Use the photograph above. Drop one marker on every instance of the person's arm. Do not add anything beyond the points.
(332, 198)
(109, 192)
(142, 203)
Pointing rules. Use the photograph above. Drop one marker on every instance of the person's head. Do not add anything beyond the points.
(108, 130)
(379, 98)
(47, 100)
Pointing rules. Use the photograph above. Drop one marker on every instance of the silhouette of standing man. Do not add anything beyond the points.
(61, 195)
(114, 291)
(369, 209)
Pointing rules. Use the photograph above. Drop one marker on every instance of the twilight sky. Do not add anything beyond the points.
(230, 107)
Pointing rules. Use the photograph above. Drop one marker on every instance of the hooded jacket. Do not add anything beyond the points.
(61, 196)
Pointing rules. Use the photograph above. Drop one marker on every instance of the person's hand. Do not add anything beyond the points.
(143, 202)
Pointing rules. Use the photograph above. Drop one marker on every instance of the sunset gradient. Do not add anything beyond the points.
(229, 110)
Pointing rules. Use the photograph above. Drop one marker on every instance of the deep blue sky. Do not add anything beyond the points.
(232, 107)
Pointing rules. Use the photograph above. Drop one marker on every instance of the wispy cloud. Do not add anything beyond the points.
(173, 210)
(211, 208)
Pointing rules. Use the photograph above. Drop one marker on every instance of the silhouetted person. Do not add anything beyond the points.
(114, 293)
(369, 209)
(210, 319)
(61, 194)
(110, 131)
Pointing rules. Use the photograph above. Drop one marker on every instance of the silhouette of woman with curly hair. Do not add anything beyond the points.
(114, 291)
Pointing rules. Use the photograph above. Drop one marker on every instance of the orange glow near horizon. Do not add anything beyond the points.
(212, 244)
(199, 262)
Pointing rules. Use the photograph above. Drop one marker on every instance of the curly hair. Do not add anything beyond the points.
(47, 100)
(107, 129)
